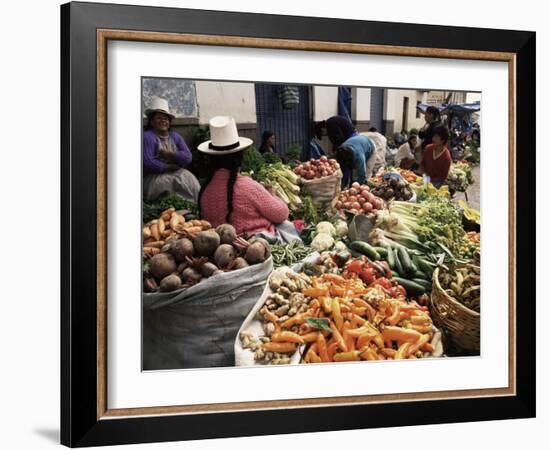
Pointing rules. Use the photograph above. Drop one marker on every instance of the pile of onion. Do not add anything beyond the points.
(317, 168)
(358, 200)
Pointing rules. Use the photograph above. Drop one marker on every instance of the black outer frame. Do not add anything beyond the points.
(79, 424)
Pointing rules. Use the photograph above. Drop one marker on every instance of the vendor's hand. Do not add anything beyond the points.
(166, 155)
(172, 167)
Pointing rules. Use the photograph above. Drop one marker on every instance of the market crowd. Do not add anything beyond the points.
(227, 196)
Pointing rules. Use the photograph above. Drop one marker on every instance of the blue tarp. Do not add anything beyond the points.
(458, 108)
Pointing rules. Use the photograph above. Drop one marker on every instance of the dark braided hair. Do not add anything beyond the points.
(231, 162)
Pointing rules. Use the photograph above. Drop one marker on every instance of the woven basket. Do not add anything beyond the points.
(460, 322)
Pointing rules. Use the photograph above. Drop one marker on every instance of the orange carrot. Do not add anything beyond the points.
(322, 348)
(402, 350)
(279, 347)
(314, 304)
(336, 314)
(379, 341)
(331, 350)
(348, 338)
(315, 292)
(298, 319)
(390, 352)
(287, 336)
(338, 337)
(327, 304)
(347, 356)
(400, 334)
(310, 337)
(369, 354)
(416, 346)
(360, 303)
(428, 347)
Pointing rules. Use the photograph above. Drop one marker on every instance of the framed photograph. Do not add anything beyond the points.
(272, 224)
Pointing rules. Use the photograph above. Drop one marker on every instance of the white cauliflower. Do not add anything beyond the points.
(325, 227)
(322, 242)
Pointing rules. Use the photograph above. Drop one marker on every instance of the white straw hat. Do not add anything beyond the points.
(159, 105)
(224, 137)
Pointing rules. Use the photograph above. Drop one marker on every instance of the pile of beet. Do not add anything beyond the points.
(185, 262)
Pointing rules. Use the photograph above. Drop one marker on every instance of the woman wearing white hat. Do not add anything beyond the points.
(165, 156)
(228, 197)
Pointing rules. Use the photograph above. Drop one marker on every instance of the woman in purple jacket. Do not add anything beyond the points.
(165, 156)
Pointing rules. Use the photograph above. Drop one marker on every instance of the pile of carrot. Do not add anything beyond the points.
(359, 323)
(169, 225)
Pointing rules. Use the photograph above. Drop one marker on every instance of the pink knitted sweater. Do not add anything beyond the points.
(254, 208)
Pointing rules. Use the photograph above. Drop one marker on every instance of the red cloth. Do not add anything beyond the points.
(254, 208)
(437, 169)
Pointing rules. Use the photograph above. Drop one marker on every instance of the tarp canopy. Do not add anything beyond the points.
(457, 108)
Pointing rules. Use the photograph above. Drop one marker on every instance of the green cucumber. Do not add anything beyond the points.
(421, 275)
(425, 267)
(405, 260)
(365, 249)
(390, 257)
(413, 289)
(383, 252)
(394, 274)
(424, 283)
(398, 265)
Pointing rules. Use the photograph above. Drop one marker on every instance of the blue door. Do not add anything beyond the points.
(290, 126)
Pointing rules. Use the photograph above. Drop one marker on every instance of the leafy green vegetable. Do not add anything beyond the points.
(320, 323)
(252, 161)
(153, 210)
(271, 158)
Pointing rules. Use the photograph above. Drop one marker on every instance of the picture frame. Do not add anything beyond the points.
(86, 28)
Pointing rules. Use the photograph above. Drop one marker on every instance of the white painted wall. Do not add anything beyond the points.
(473, 97)
(361, 104)
(393, 107)
(325, 102)
(217, 98)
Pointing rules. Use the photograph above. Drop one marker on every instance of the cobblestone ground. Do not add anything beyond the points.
(473, 190)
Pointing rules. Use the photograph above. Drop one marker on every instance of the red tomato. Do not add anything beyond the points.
(338, 204)
(367, 275)
(361, 200)
(323, 159)
(398, 291)
(355, 266)
(385, 283)
(356, 205)
(356, 185)
(347, 205)
(352, 198)
(367, 207)
(354, 211)
(353, 191)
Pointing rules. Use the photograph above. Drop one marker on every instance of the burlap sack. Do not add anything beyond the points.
(323, 190)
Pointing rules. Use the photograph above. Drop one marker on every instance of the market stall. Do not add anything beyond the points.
(385, 270)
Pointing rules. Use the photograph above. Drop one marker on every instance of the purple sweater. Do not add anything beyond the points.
(152, 164)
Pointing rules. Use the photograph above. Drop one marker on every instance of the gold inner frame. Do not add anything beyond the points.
(103, 36)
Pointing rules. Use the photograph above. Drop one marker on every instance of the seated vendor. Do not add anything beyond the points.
(165, 156)
(436, 159)
(405, 157)
(229, 197)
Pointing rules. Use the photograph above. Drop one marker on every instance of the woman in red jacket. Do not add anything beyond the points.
(436, 159)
